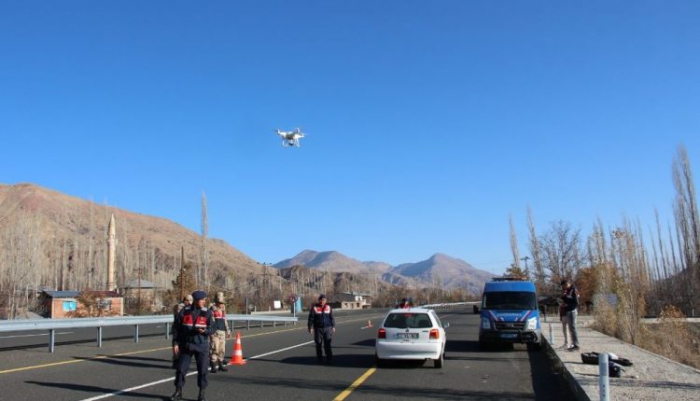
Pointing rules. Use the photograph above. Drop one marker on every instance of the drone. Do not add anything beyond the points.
(290, 138)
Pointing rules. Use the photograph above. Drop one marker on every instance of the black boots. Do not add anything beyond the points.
(214, 368)
(177, 395)
(201, 395)
(222, 367)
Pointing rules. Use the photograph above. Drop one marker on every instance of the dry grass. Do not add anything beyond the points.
(672, 337)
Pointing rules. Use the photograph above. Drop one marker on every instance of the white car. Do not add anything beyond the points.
(413, 333)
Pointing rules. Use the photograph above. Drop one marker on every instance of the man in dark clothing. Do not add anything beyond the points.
(186, 301)
(404, 304)
(322, 325)
(570, 299)
(192, 329)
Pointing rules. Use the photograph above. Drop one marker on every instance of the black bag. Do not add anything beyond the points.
(591, 358)
(614, 370)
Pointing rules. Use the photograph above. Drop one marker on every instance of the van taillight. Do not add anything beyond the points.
(434, 334)
(381, 333)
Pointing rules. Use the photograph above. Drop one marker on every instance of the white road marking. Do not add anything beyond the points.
(36, 335)
(170, 379)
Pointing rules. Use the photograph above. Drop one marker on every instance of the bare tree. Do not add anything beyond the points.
(688, 227)
(513, 242)
(536, 252)
(204, 265)
(560, 253)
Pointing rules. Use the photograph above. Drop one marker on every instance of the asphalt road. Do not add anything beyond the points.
(282, 366)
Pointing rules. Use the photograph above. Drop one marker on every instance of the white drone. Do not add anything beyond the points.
(290, 138)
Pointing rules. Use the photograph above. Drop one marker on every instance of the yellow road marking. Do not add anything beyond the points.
(355, 384)
(48, 365)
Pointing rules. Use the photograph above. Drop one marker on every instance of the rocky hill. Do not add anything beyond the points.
(68, 238)
(438, 271)
(445, 272)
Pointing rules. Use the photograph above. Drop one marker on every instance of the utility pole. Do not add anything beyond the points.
(527, 269)
(526, 258)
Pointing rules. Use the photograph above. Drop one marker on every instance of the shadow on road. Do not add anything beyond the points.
(128, 361)
(406, 392)
(339, 361)
(94, 389)
(548, 382)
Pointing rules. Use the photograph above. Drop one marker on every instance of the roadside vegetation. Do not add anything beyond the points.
(626, 274)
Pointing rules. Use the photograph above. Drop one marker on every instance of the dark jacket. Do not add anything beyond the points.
(321, 316)
(188, 320)
(570, 298)
(219, 314)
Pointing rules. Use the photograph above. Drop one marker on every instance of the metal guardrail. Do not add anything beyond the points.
(56, 324)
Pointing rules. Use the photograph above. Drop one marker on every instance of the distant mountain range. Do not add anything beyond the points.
(67, 238)
(439, 270)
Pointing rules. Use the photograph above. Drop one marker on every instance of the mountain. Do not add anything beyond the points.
(437, 271)
(67, 238)
(445, 271)
(331, 261)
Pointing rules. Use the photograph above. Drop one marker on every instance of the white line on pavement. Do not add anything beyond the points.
(169, 379)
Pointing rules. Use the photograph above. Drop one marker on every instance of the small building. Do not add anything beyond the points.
(140, 289)
(351, 300)
(59, 304)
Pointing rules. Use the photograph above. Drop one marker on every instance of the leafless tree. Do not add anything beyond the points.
(204, 265)
(561, 247)
(513, 242)
(536, 252)
(688, 227)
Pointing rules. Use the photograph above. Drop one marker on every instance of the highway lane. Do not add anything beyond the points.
(40, 338)
(282, 366)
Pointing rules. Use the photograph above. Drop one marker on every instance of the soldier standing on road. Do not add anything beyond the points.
(570, 299)
(186, 301)
(322, 325)
(193, 327)
(218, 339)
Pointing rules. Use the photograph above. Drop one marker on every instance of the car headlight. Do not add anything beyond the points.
(485, 323)
(532, 323)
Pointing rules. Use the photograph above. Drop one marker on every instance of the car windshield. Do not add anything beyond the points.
(408, 320)
(510, 300)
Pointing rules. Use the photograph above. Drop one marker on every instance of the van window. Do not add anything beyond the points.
(510, 300)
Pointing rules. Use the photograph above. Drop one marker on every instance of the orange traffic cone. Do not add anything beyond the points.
(237, 358)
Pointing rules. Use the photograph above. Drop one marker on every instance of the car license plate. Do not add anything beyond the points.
(509, 335)
(407, 336)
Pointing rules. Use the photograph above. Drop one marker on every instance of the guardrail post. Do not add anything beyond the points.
(261, 324)
(99, 337)
(136, 333)
(52, 340)
(551, 336)
(247, 325)
(167, 331)
(604, 377)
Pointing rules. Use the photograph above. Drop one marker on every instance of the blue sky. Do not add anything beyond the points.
(428, 122)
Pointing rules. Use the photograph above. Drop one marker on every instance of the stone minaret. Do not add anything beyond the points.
(111, 252)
